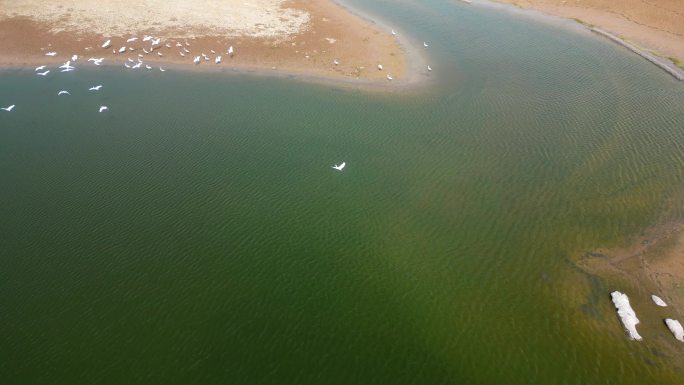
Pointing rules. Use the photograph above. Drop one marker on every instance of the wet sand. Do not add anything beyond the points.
(296, 37)
(656, 26)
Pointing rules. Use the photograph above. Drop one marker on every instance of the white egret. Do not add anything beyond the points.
(340, 167)
(127, 66)
(137, 65)
(148, 67)
(8, 109)
(67, 69)
(196, 60)
(379, 67)
(161, 69)
(96, 88)
(429, 68)
(43, 73)
(186, 50)
(147, 38)
(212, 51)
(218, 59)
(335, 62)
(390, 78)
(103, 108)
(425, 44)
(66, 65)
(51, 53)
(160, 54)
(122, 49)
(144, 50)
(393, 33)
(63, 93)
(106, 44)
(131, 39)
(40, 68)
(231, 51)
(74, 58)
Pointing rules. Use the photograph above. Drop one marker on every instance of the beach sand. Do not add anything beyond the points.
(297, 36)
(657, 26)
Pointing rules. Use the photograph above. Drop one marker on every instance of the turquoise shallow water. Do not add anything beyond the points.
(196, 234)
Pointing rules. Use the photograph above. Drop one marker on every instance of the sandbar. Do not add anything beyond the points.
(318, 38)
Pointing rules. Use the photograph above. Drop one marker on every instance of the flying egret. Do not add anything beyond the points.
(335, 62)
(8, 109)
(144, 50)
(148, 67)
(137, 66)
(67, 69)
(106, 44)
(127, 66)
(390, 78)
(218, 59)
(429, 68)
(161, 69)
(66, 65)
(147, 37)
(51, 53)
(425, 44)
(339, 167)
(43, 73)
(63, 93)
(393, 33)
(74, 58)
(156, 41)
(40, 68)
(103, 108)
(96, 88)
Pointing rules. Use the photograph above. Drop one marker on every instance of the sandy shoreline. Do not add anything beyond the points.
(318, 39)
(650, 27)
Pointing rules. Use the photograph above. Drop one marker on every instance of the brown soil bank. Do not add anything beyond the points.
(297, 36)
(656, 25)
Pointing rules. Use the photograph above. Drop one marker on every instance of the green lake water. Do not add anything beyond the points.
(196, 234)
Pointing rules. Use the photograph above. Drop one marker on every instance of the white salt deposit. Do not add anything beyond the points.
(626, 313)
(658, 301)
(164, 18)
(676, 328)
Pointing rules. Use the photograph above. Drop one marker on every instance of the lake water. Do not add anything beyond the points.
(196, 234)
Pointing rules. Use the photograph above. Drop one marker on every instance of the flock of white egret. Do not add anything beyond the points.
(154, 45)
